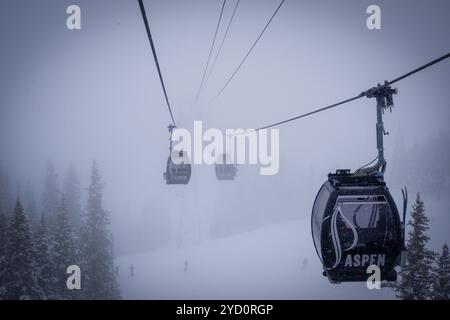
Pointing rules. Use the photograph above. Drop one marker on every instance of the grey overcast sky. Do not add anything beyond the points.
(74, 96)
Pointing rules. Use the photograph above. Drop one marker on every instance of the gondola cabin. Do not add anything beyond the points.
(178, 170)
(355, 223)
(225, 170)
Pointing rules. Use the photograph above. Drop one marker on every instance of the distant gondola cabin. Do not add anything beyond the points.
(178, 169)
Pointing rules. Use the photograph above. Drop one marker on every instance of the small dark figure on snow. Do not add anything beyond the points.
(131, 271)
(185, 265)
(304, 263)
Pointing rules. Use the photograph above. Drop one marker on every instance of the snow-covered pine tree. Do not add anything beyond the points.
(441, 288)
(20, 278)
(99, 281)
(5, 212)
(51, 194)
(65, 251)
(416, 277)
(42, 262)
(72, 193)
(30, 206)
(3, 228)
(6, 202)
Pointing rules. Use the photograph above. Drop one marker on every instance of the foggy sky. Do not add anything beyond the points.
(75, 96)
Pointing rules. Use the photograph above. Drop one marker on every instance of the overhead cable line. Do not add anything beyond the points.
(429, 64)
(223, 40)
(150, 39)
(362, 94)
(249, 51)
(312, 112)
(210, 51)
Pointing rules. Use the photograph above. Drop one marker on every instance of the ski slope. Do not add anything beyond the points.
(274, 262)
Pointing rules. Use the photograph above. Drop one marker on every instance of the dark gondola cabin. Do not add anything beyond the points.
(178, 170)
(355, 223)
(225, 170)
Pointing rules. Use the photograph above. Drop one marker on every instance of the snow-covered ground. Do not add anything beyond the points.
(274, 262)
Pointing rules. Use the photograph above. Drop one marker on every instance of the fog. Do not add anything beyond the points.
(71, 96)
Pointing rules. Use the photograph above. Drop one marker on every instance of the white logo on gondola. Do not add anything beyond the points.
(356, 260)
(335, 235)
(362, 260)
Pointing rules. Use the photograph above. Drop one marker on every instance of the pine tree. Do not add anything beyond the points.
(72, 193)
(416, 277)
(100, 278)
(30, 206)
(20, 278)
(42, 262)
(65, 251)
(441, 288)
(51, 194)
(5, 212)
(6, 203)
(3, 229)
